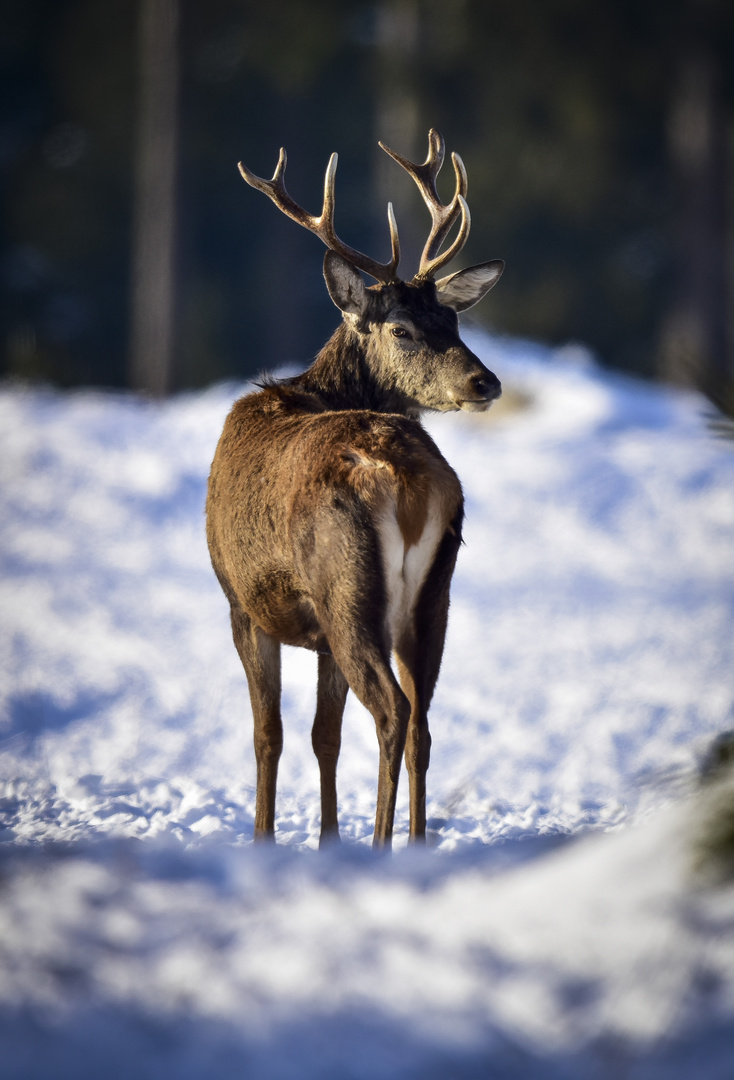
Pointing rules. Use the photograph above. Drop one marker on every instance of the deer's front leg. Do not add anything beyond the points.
(260, 655)
(326, 735)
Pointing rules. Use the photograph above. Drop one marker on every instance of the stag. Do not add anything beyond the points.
(333, 520)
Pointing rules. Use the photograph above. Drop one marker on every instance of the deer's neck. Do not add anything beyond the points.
(343, 378)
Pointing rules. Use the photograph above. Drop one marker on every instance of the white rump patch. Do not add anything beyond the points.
(406, 570)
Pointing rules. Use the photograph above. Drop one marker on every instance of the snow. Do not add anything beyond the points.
(558, 924)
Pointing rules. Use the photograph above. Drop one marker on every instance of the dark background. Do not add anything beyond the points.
(598, 139)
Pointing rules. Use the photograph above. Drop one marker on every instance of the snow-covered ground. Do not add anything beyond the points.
(588, 668)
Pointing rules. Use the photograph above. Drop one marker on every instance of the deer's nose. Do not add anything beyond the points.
(485, 386)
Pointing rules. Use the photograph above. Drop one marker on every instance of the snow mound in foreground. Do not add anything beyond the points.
(602, 959)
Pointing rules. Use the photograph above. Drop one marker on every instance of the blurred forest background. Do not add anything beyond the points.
(598, 139)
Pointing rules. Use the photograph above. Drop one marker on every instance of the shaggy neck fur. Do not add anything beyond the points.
(342, 378)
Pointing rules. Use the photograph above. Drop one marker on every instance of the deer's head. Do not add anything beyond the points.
(408, 331)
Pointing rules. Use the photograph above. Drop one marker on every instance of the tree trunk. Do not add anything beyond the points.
(154, 238)
(696, 343)
(397, 124)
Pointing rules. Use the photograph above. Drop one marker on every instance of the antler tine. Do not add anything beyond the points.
(323, 226)
(443, 216)
(430, 267)
(425, 174)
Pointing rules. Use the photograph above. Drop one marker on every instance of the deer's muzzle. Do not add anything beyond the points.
(478, 392)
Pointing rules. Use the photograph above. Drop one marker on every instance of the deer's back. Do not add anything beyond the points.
(301, 498)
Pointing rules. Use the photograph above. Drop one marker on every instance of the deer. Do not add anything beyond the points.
(333, 520)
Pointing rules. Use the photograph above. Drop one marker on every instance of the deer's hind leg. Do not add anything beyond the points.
(350, 600)
(331, 696)
(360, 649)
(366, 666)
(418, 652)
(260, 656)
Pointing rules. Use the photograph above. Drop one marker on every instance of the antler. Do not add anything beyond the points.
(443, 216)
(323, 226)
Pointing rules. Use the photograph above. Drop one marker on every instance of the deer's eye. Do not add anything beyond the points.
(400, 332)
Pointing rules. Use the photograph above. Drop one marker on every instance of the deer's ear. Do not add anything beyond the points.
(467, 287)
(345, 284)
